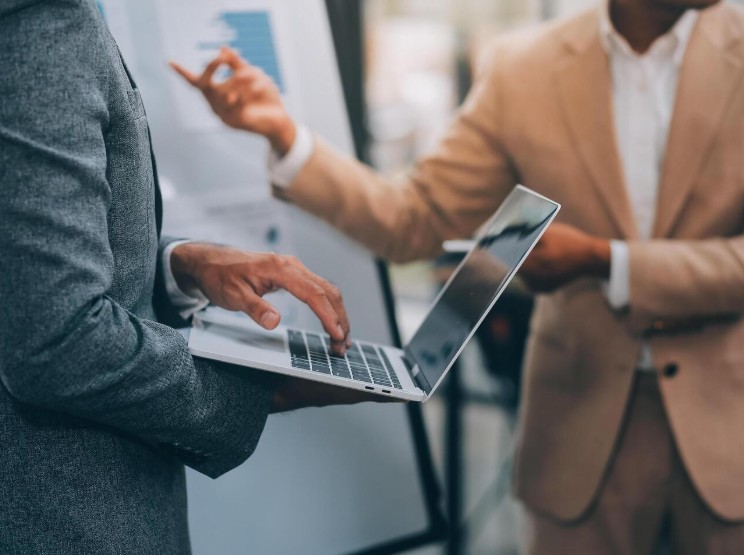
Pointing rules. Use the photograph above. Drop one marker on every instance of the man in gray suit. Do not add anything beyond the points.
(101, 405)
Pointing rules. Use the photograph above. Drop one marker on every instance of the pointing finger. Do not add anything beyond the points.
(312, 292)
(191, 78)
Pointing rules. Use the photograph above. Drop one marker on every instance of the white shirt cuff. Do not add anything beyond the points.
(283, 171)
(187, 303)
(618, 288)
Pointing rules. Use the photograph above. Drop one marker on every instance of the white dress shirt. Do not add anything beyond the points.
(187, 303)
(644, 90)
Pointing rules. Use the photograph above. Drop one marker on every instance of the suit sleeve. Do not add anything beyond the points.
(173, 307)
(65, 345)
(447, 196)
(682, 279)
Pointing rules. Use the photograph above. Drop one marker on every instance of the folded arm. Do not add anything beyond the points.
(676, 280)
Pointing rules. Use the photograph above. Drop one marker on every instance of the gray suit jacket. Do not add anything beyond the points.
(100, 405)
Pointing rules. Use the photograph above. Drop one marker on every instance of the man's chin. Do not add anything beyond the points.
(682, 5)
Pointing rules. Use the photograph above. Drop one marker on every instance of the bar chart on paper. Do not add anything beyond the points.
(250, 34)
(193, 32)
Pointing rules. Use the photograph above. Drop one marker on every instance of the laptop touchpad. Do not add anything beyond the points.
(257, 338)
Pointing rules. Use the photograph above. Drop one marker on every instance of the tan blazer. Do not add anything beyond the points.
(540, 114)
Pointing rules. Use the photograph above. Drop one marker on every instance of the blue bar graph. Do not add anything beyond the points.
(253, 39)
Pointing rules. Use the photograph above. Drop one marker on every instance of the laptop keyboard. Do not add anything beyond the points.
(362, 363)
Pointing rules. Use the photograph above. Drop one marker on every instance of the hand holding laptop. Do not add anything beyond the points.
(563, 254)
(412, 373)
(295, 393)
(237, 281)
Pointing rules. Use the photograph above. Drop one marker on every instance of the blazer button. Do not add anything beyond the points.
(671, 370)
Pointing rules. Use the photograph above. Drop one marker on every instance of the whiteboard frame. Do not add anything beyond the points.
(348, 37)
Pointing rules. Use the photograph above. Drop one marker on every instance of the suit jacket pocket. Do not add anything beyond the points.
(552, 360)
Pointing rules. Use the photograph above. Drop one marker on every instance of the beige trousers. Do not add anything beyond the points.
(646, 491)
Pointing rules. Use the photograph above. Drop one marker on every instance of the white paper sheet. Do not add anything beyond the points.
(115, 14)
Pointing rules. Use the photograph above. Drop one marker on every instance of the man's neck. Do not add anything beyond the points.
(640, 23)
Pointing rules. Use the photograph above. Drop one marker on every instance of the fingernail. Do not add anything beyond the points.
(340, 331)
(270, 320)
(348, 343)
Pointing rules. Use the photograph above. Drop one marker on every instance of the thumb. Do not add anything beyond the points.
(261, 311)
(233, 59)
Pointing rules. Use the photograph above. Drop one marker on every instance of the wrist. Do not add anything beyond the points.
(183, 265)
(599, 258)
(284, 138)
(278, 403)
(281, 401)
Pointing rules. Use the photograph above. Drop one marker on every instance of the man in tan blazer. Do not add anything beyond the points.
(632, 116)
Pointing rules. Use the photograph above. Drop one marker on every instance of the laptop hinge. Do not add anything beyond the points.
(418, 378)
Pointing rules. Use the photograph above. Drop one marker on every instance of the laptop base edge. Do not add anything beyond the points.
(382, 391)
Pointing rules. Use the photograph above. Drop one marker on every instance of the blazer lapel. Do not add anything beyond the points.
(708, 79)
(585, 89)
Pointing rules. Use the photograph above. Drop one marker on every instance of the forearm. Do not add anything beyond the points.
(70, 348)
(138, 376)
(448, 195)
(682, 279)
(401, 219)
(391, 219)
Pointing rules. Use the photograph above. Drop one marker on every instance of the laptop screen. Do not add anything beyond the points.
(473, 289)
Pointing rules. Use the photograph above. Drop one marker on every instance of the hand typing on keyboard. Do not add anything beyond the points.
(363, 363)
(237, 280)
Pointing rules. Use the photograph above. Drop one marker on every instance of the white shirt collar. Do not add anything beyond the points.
(679, 35)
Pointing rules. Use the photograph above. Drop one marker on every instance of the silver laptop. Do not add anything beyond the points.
(412, 373)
